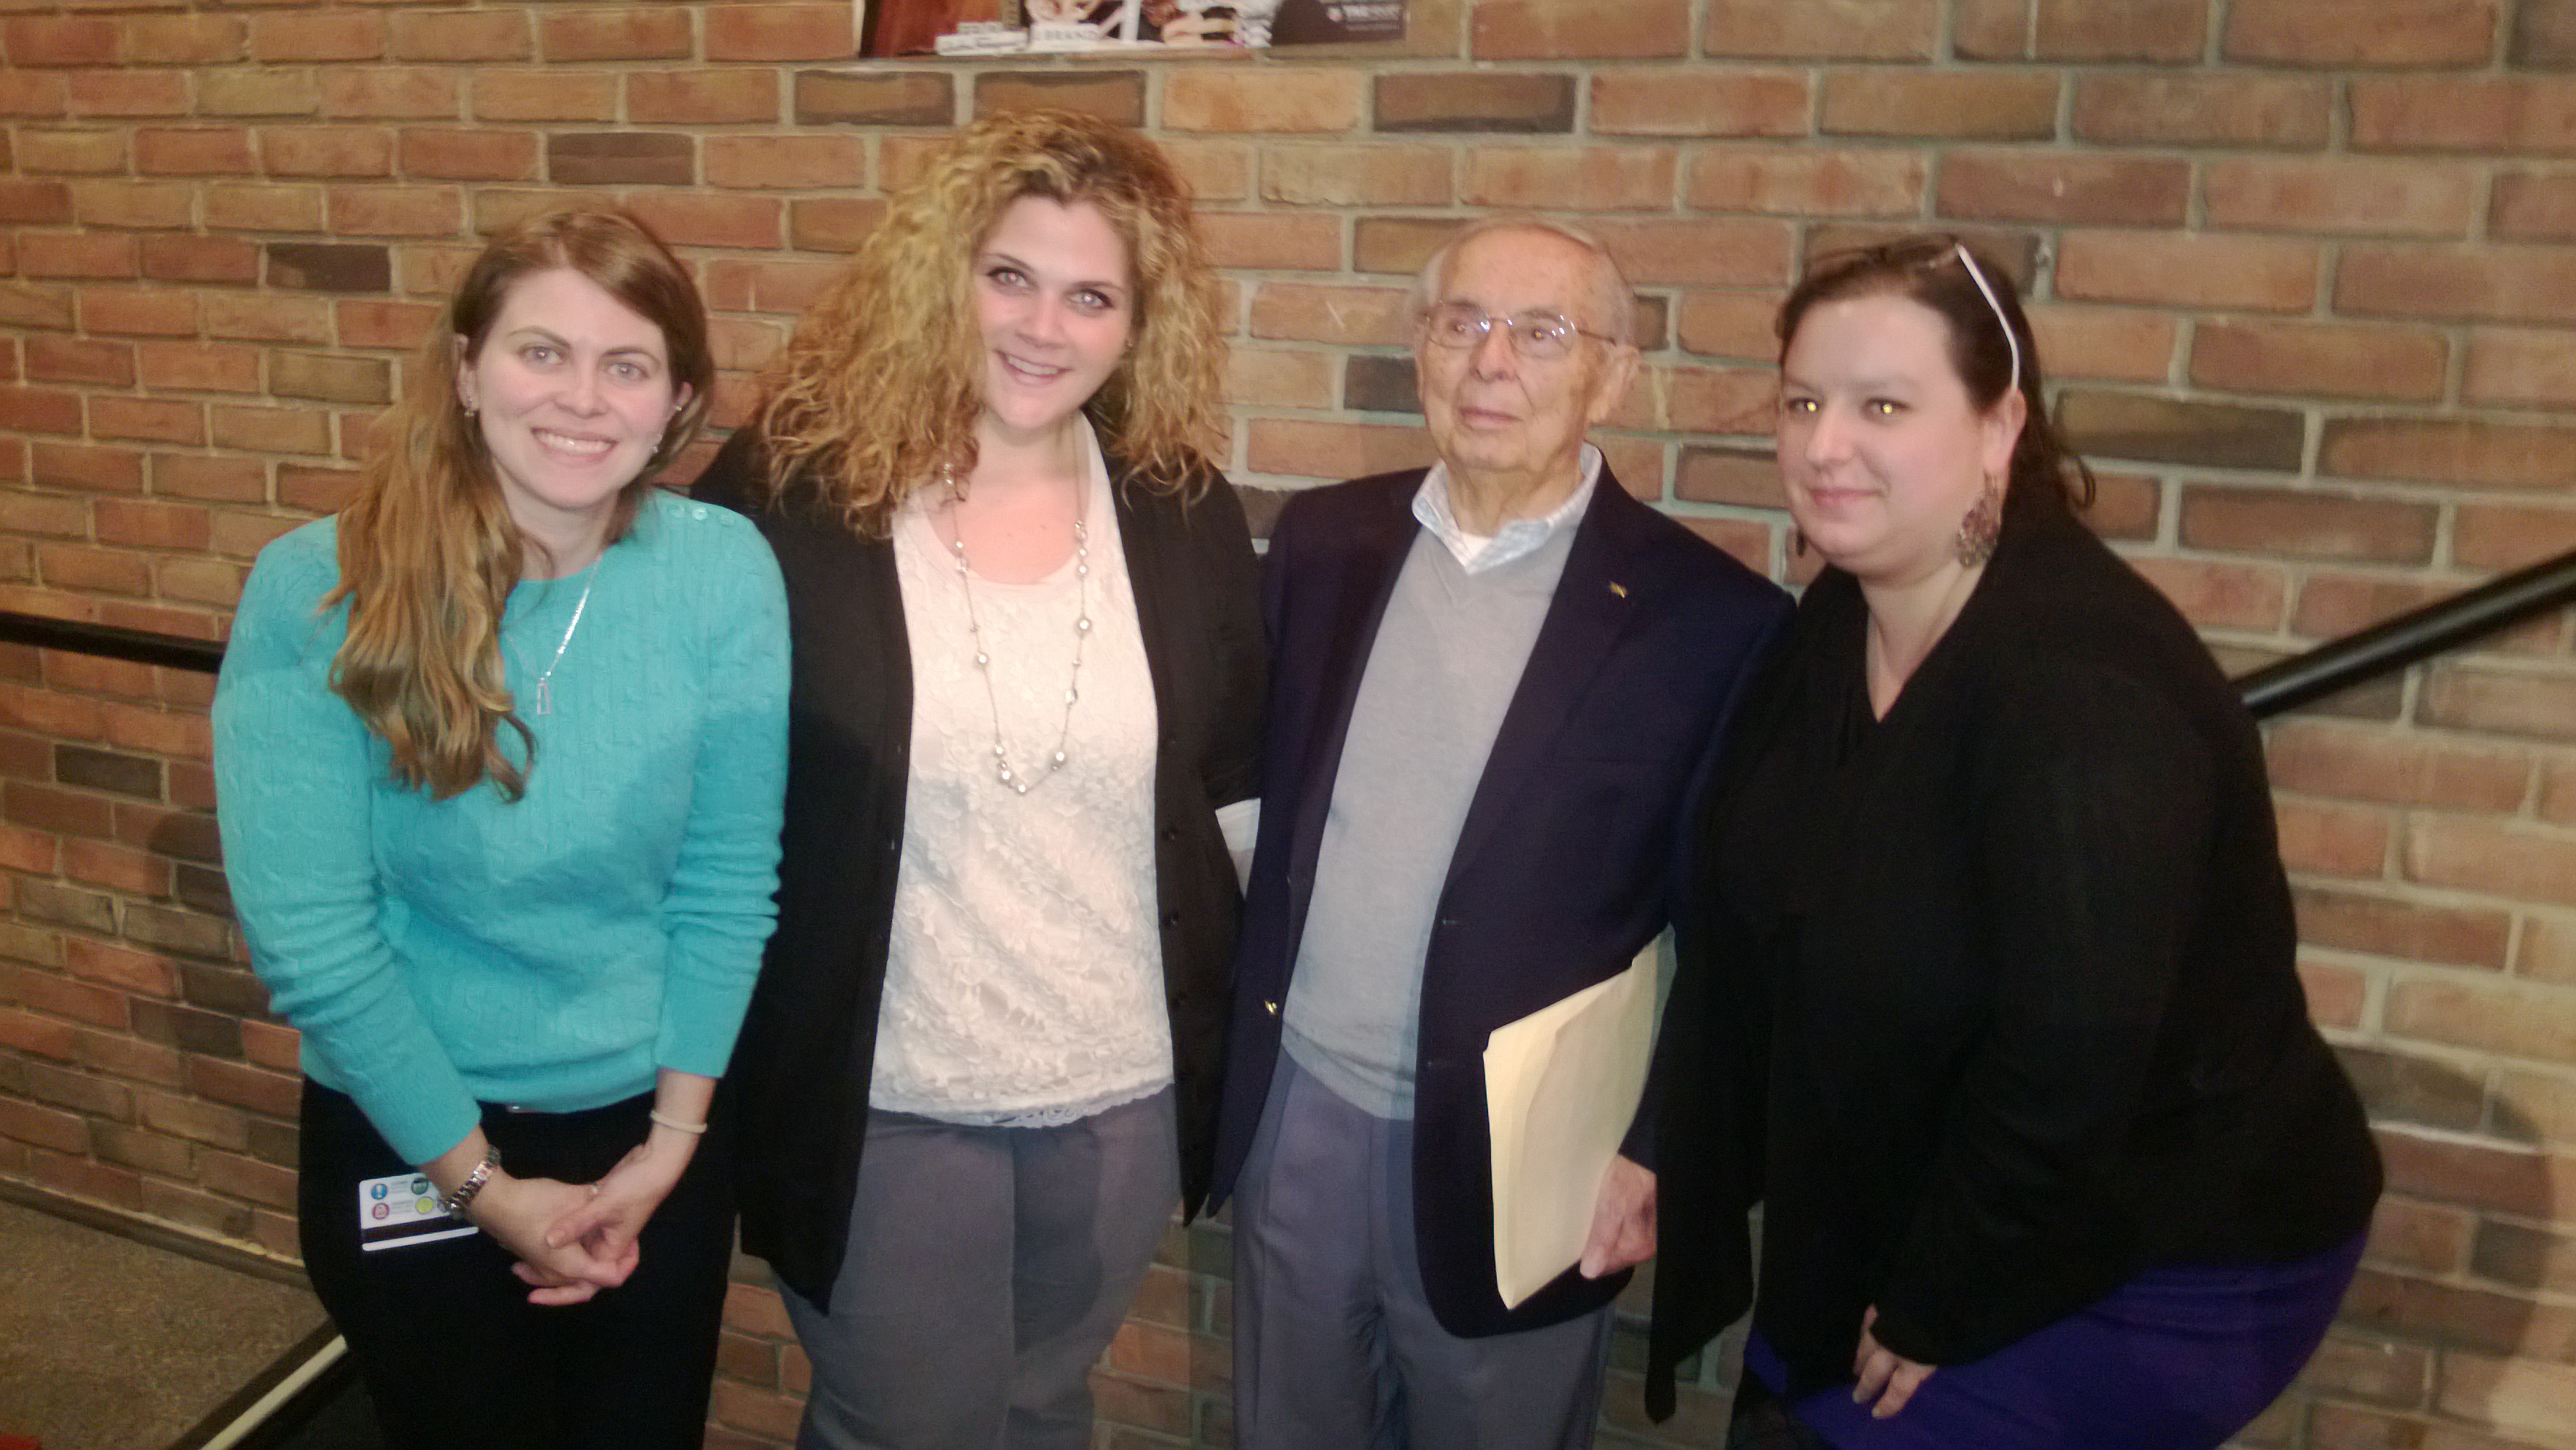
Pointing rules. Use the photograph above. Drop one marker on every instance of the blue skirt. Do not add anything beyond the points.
(2175, 1359)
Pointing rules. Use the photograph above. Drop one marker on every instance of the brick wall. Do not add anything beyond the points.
(2299, 267)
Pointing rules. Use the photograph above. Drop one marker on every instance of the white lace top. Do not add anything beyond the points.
(1024, 977)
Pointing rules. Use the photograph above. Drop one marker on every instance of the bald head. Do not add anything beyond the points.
(1611, 307)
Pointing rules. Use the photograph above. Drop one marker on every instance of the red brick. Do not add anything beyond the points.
(1562, 29)
(631, 32)
(138, 311)
(2361, 32)
(29, 93)
(71, 153)
(27, 1032)
(544, 95)
(2541, 706)
(708, 98)
(832, 224)
(711, 221)
(196, 151)
(779, 32)
(799, 163)
(1510, 101)
(2349, 921)
(257, 92)
(1357, 175)
(302, 35)
(2114, 344)
(1591, 179)
(396, 211)
(2534, 207)
(102, 571)
(1268, 241)
(1279, 378)
(327, 151)
(51, 41)
(230, 1082)
(39, 410)
(473, 35)
(898, 98)
(2167, 31)
(45, 1127)
(1333, 450)
(2505, 283)
(1366, 316)
(2332, 840)
(1845, 30)
(2320, 359)
(160, 205)
(1799, 181)
(152, 420)
(1269, 100)
(2220, 596)
(1700, 253)
(390, 93)
(2364, 197)
(772, 1417)
(1960, 105)
(127, 93)
(1117, 97)
(2054, 187)
(220, 480)
(2203, 110)
(264, 208)
(2509, 1020)
(199, 259)
(2253, 274)
(2520, 369)
(1720, 401)
(2500, 538)
(59, 254)
(51, 359)
(2515, 114)
(207, 40)
(1697, 102)
(757, 1311)
(469, 155)
(2496, 455)
(267, 317)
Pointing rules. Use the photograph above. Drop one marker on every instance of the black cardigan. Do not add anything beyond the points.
(2023, 954)
(801, 1069)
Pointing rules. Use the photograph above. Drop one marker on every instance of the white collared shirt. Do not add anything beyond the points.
(1517, 539)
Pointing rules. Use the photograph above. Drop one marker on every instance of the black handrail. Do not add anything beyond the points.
(141, 646)
(2499, 603)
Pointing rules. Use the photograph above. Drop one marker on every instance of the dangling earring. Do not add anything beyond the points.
(1984, 522)
(1797, 541)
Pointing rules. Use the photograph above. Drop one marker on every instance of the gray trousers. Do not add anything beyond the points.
(1335, 1347)
(987, 1269)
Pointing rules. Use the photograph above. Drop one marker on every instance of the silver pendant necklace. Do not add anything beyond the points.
(544, 691)
(1020, 781)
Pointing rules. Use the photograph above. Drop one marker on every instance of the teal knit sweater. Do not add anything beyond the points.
(552, 952)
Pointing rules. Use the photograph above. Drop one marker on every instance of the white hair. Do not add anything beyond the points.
(1615, 304)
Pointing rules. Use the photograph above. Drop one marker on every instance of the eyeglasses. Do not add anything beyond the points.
(1536, 336)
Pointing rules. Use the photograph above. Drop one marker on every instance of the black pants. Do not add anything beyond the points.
(443, 1334)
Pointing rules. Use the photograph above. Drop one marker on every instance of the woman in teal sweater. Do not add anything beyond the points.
(500, 752)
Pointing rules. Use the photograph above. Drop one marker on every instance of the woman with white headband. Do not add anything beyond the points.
(1989, 998)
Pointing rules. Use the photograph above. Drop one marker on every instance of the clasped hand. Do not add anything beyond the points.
(1884, 1375)
(573, 1240)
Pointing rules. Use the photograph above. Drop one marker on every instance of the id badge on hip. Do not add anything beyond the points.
(401, 1210)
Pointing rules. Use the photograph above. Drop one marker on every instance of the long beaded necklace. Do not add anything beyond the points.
(544, 690)
(1018, 780)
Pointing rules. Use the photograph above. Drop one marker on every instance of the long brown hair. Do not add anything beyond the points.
(1933, 270)
(882, 384)
(428, 553)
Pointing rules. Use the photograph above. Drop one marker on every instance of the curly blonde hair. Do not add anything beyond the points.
(882, 385)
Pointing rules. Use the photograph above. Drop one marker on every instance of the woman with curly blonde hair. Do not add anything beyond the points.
(981, 1064)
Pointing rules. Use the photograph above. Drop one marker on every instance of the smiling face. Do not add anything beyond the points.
(572, 389)
(1505, 424)
(1054, 309)
(1882, 449)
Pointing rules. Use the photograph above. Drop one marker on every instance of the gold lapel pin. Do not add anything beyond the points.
(1619, 589)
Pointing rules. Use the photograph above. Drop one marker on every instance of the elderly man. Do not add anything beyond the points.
(1495, 685)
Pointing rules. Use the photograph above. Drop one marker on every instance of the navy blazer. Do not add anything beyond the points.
(1569, 860)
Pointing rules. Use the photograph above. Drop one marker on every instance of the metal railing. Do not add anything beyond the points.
(2443, 625)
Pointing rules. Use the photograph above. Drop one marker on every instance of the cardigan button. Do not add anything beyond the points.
(1171, 921)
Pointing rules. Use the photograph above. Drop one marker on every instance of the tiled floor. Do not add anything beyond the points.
(111, 1344)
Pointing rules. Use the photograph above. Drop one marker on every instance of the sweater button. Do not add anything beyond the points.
(1171, 921)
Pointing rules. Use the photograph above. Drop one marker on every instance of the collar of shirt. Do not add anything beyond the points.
(1518, 538)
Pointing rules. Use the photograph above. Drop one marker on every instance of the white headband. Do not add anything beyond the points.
(1979, 277)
